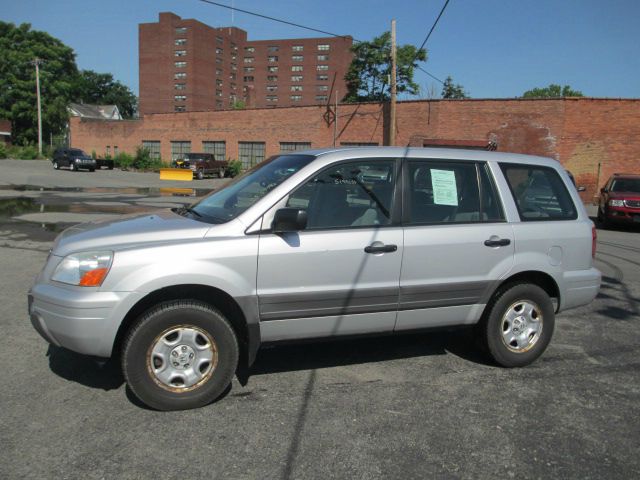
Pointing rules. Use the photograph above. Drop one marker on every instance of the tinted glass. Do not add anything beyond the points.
(244, 191)
(631, 185)
(354, 194)
(76, 152)
(539, 193)
(443, 192)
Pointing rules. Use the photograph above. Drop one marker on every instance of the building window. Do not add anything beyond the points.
(218, 82)
(181, 30)
(272, 78)
(296, 78)
(322, 77)
(293, 146)
(359, 144)
(154, 148)
(296, 88)
(179, 149)
(180, 53)
(272, 88)
(180, 64)
(180, 86)
(108, 154)
(322, 67)
(234, 67)
(323, 58)
(297, 48)
(218, 60)
(249, 49)
(179, 98)
(115, 151)
(321, 98)
(323, 47)
(297, 58)
(179, 75)
(218, 148)
(179, 108)
(296, 98)
(272, 48)
(219, 51)
(249, 69)
(251, 153)
(234, 58)
(218, 104)
(219, 39)
(233, 86)
(234, 47)
(233, 76)
(272, 58)
(322, 88)
(272, 69)
(248, 78)
(272, 98)
(248, 59)
(218, 93)
(296, 68)
(180, 41)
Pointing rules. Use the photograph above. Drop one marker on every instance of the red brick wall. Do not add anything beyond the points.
(580, 133)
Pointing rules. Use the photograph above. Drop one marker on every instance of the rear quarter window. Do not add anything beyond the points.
(539, 193)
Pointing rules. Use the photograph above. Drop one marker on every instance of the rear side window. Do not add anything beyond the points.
(539, 193)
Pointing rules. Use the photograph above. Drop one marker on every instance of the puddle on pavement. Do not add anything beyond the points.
(98, 201)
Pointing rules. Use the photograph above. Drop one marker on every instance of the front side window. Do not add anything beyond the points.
(539, 193)
(353, 194)
(244, 191)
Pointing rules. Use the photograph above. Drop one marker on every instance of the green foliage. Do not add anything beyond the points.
(123, 161)
(19, 46)
(142, 160)
(238, 105)
(3, 150)
(101, 89)
(94, 155)
(449, 90)
(28, 152)
(552, 91)
(234, 167)
(367, 77)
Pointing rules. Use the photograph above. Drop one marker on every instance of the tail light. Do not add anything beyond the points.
(594, 238)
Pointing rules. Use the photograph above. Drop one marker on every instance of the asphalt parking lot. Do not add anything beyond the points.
(423, 405)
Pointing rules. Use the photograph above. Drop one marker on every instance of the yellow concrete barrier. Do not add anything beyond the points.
(182, 174)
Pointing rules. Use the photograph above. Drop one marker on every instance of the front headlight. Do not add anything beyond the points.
(616, 203)
(86, 269)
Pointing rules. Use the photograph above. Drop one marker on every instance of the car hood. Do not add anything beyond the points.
(129, 231)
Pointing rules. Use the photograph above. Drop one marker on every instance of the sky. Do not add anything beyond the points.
(493, 48)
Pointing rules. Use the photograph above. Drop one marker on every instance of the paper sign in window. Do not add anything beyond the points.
(444, 187)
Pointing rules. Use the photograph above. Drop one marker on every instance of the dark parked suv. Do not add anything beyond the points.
(620, 200)
(74, 158)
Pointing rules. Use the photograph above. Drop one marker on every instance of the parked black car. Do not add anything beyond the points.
(74, 158)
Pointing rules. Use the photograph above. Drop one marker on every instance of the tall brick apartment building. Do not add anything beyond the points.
(186, 65)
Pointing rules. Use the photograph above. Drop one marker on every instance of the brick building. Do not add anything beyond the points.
(591, 137)
(188, 66)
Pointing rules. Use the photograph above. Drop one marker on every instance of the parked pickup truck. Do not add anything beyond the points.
(202, 164)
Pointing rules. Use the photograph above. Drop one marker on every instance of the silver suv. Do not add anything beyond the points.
(322, 243)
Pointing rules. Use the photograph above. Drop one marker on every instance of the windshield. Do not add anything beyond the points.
(237, 196)
(77, 152)
(626, 185)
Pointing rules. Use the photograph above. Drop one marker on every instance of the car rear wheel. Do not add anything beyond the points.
(221, 173)
(518, 324)
(200, 175)
(180, 355)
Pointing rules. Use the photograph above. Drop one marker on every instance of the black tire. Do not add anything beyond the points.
(56, 166)
(110, 167)
(495, 322)
(92, 169)
(200, 175)
(148, 331)
(602, 219)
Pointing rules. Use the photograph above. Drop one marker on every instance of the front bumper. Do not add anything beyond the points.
(81, 319)
(623, 215)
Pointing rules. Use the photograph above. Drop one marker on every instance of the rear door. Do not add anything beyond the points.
(339, 275)
(457, 244)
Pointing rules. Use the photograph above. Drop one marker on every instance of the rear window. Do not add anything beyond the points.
(539, 193)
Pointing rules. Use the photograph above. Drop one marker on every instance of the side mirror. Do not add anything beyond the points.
(582, 189)
(603, 190)
(289, 220)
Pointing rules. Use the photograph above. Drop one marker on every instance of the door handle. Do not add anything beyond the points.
(497, 242)
(380, 248)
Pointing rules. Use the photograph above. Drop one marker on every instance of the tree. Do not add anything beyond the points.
(552, 91)
(368, 74)
(20, 46)
(449, 90)
(102, 89)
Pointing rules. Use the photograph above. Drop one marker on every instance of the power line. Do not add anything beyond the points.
(286, 22)
(434, 25)
(432, 76)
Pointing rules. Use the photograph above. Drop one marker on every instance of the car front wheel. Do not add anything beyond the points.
(180, 355)
(56, 166)
(72, 167)
(518, 325)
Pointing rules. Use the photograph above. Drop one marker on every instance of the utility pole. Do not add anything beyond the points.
(37, 61)
(392, 113)
(335, 122)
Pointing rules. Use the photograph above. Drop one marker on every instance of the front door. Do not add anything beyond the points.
(340, 275)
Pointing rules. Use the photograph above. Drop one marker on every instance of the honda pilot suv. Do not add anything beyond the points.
(324, 243)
